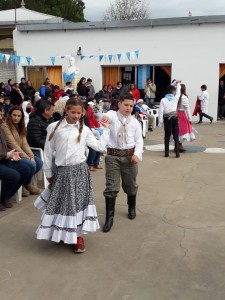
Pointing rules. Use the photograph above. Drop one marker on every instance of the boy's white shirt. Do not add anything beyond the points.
(65, 147)
(135, 139)
(167, 106)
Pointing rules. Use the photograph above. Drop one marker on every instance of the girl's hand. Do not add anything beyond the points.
(50, 180)
(105, 119)
(105, 124)
(134, 159)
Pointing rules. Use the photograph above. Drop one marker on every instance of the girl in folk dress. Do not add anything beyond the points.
(184, 119)
(68, 205)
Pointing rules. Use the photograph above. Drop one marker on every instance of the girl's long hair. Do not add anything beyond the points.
(182, 92)
(71, 102)
(20, 127)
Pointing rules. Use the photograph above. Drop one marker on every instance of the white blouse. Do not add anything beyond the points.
(184, 106)
(65, 147)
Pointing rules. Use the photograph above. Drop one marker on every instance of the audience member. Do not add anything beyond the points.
(16, 95)
(15, 132)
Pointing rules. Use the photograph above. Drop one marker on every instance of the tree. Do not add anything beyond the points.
(72, 10)
(127, 10)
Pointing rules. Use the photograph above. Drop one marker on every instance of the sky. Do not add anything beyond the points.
(161, 8)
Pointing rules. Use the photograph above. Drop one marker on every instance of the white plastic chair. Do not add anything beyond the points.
(144, 120)
(155, 113)
(19, 195)
(41, 173)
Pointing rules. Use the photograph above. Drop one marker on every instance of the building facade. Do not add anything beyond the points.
(190, 49)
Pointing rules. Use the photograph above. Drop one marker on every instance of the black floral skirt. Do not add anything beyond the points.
(67, 205)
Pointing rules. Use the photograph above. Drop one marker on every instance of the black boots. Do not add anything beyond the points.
(110, 211)
(131, 201)
(167, 146)
(177, 148)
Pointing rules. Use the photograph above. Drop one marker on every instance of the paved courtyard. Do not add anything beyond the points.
(173, 250)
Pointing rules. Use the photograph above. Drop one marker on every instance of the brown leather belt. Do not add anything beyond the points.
(118, 152)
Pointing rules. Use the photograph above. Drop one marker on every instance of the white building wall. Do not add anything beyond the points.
(194, 51)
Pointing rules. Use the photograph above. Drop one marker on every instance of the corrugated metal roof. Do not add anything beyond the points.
(124, 24)
(24, 15)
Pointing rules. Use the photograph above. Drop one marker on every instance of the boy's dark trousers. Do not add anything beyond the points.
(206, 116)
(171, 126)
(119, 167)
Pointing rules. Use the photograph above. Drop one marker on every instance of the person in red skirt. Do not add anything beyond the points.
(184, 119)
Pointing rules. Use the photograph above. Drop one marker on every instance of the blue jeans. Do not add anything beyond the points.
(13, 174)
(93, 158)
(150, 102)
(33, 167)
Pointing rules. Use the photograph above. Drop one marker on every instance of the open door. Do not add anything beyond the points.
(111, 75)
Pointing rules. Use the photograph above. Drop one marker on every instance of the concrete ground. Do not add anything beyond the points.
(174, 249)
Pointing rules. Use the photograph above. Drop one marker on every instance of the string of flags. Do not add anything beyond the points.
(31, 60)
(16, 58)
(109, 57)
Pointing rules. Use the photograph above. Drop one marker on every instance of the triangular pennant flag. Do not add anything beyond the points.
(101, 57)
(82, 57)
(114, 57)
(18, 58)
(12, 58)
(110, 57)
(136, 53)
(132, 55)
(53, 60)
(7, 56)
(119, 56)
(128, 55)
(1, 57)
(28, 58)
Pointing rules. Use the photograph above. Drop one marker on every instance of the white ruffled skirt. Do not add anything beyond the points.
(67, 206)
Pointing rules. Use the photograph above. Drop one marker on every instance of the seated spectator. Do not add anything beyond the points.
(144, 112)
(27, 107)
(15, 132)
(8, 87)
(13, 172)
(2, 89)
(57, 93)
(16, 95)
(69, 86)
(135, 92)
(119, 90)
(38, 123)
(59, 107)
(6, 106)
(1, 101)
(115, 104)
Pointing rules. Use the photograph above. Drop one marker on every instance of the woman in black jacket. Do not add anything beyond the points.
(16, 95)
(82, 89)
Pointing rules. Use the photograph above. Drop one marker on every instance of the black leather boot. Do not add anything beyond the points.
(110, 211)
(167, 145)
(177, 149)
(131, 201)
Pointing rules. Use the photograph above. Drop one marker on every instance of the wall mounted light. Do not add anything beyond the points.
(79, 53)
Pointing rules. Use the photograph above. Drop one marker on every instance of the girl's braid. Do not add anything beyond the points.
(81, 128)
(56, 127)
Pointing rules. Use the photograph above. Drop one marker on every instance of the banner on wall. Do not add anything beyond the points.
(143, 74)
(11, 58)
(107, 57)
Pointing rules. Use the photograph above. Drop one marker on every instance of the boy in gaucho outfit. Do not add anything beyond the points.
(124, 151)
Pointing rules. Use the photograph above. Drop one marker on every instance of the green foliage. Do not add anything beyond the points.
(72, 10)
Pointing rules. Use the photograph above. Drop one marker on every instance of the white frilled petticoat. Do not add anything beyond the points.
(68, 206)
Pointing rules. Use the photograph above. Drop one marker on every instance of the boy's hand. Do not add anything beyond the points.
(134, 159)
